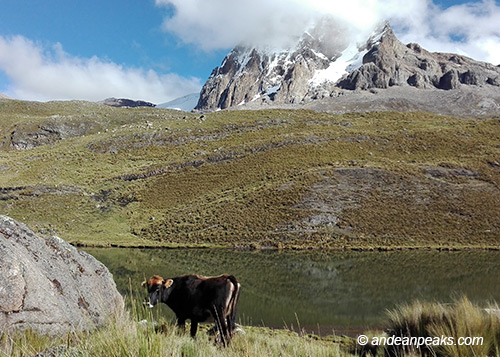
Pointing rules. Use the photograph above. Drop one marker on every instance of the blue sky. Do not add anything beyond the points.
(158, 50)
(125, 31)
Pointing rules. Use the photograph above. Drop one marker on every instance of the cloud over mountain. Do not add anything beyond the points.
(470, 28)
(40, 73)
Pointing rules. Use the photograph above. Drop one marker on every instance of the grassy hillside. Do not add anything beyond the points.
(98, 175)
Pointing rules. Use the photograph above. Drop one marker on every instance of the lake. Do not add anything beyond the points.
(322, 292)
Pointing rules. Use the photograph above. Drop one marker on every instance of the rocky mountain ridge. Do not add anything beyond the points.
(124, 102)
(312, 71)
(390, 63)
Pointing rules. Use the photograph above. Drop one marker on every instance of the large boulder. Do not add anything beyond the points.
(49, 286)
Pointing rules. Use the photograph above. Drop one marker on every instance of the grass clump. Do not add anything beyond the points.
(459, 329)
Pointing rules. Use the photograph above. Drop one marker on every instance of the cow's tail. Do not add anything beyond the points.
(233, 302)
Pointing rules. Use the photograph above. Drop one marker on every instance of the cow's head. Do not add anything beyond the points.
(158, 290)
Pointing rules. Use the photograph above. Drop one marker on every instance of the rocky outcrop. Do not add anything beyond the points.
(29, 136)
(339, 201)
(49, 286)
(129, 103)
(390, 63)
(318, 68)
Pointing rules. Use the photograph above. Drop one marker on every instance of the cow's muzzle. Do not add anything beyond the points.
(148, 304)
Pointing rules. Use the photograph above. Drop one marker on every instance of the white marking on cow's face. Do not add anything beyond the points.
(154, 292)
(147, 303)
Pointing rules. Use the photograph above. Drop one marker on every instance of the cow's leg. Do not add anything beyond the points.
(231, 317)
(224, 332)
(194, 327)
(220, 322)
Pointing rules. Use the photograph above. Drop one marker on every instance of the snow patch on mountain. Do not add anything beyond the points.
(350, 60)
(185, 103)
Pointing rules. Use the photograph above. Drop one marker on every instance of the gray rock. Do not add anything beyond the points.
(127, 103)
(450, 80)
(465, 101)
(27, 136)
(49, 286)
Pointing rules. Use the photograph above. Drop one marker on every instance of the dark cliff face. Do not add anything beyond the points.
(304, 73)
(390, 63)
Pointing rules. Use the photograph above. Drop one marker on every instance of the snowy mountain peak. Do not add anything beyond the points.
(319, 59)
(322, 63)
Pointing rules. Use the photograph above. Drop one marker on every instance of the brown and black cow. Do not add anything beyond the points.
(198, 298)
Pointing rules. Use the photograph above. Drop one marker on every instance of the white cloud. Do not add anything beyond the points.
(217, 24)
(37, 73)
(477, 27)
(470, 28)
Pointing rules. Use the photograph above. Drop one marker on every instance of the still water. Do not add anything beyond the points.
(323, 292)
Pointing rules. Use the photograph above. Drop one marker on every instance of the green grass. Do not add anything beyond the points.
(461, 319)
(128, 337)
(155, 177)
(146, 333)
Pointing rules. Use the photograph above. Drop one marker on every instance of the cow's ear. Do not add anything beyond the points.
(144, 283)
(168, 283)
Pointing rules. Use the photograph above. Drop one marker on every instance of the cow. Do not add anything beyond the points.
(198, 298)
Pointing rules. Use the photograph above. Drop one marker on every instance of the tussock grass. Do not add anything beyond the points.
(460, 319)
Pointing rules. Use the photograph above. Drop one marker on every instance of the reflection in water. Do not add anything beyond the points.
(341, 290)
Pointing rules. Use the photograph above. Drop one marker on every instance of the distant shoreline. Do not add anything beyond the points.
(295, 248)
